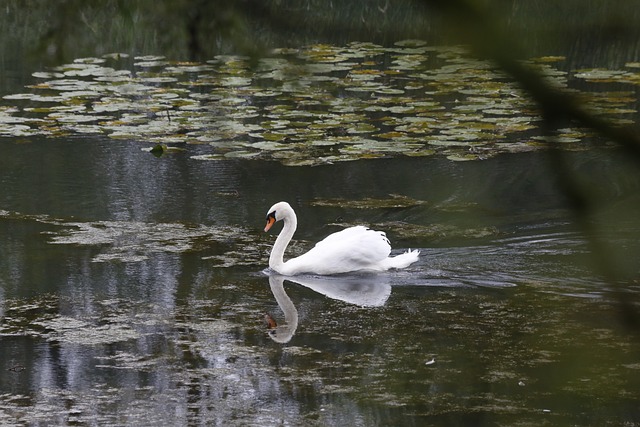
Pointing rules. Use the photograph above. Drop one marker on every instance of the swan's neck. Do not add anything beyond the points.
(276, 259)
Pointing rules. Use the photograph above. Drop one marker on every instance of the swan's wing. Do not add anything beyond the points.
(354, 234)
(350, 249)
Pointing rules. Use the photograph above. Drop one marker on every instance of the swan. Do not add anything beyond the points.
(352, 249)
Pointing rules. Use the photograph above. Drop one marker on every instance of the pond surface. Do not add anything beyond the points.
(133, 289)
(133, 292)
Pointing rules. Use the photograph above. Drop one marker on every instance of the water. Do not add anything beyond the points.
(133, 291)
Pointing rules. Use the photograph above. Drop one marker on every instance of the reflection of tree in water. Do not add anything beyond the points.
(200, 29)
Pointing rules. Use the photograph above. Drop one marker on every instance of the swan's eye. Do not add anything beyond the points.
(271, 215)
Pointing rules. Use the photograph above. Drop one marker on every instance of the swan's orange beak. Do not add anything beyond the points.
(271, 219)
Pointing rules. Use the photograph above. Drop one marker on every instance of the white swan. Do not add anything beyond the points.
(352, 249)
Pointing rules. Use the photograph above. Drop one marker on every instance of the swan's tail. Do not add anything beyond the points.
(402, 260)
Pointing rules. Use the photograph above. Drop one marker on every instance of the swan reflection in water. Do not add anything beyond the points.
(364, 291)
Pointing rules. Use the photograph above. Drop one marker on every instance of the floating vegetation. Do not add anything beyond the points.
(439, 232)
(310, 106)
(394, 201)
(73, 331)
(132, 241)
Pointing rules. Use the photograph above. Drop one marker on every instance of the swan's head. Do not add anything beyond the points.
(278, 212)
